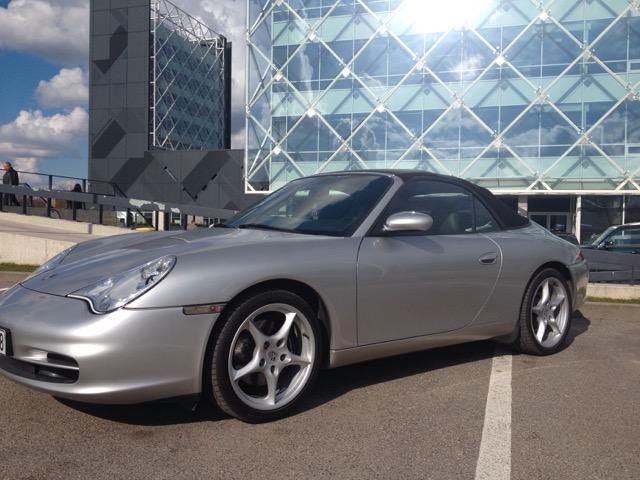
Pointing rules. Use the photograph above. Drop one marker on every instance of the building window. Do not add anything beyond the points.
(598, 214)
(632, 213)
(549, 204)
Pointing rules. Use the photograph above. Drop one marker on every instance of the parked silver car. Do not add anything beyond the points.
(329, 270)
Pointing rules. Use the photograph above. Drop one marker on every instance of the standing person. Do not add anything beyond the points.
(77, 188)
(10, 177)
(193, 225)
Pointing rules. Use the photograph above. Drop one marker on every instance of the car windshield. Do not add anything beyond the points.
(324, 205)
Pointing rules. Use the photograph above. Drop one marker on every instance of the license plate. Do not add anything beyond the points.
(4, 342)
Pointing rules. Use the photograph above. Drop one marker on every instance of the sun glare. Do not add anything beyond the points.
(425, 16)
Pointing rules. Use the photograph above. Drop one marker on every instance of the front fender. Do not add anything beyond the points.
(328, 265)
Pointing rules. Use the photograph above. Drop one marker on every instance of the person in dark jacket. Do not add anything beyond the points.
(77, 188)
(10, 177)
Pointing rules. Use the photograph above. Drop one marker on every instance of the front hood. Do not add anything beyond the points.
(95, 260)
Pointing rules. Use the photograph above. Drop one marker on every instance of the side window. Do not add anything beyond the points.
(450, 205)
(634, 237)
(484, 220)
(625, 238)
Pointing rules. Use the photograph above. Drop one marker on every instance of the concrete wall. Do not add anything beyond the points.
(195, 177)
(32, 240)
(614, 291)
(25, 250)
(64, 225)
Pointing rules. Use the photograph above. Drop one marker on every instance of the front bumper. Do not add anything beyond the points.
(580, 274)
(127, 356)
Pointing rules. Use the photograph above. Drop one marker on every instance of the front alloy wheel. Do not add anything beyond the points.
(265, 356)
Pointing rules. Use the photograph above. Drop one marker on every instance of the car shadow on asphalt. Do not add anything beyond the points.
(340, 381)
(149, 414)
(331, 383)
(335, 383)
(579, 325)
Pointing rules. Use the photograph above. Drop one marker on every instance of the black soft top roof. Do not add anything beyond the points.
(503, 214)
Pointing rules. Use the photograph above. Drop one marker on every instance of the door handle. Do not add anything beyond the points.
(488, 258)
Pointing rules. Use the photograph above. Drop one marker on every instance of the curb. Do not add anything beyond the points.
(610, 310)
(613, 291)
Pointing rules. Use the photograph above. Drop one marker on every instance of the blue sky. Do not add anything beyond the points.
(19, 76)
(44, 80)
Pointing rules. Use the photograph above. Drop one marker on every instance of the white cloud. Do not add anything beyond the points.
(33, 135)
(57, 30)
(26, 164)
(68, 88)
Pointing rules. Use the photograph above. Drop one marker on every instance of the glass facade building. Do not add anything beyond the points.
(536, 100)
(188, 65)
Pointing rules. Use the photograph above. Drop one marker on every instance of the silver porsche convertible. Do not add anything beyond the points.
(330, 270)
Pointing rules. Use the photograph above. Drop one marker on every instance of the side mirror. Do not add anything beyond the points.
(408, 222)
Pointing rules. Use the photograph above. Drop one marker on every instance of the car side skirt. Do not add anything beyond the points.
(340, 358)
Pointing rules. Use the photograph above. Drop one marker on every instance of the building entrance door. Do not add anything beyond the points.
(556, 222)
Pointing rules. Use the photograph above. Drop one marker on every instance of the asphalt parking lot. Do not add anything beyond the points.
(575, 415)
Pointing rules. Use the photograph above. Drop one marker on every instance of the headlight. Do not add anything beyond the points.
(115, 292)
(52, 263)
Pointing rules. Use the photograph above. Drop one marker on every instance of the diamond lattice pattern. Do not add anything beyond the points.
(513, 94)
(188, 81)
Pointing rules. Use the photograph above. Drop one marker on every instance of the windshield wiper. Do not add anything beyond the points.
(260, 226)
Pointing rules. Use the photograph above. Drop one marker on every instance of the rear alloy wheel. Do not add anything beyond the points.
(545, 316)
(265, 357)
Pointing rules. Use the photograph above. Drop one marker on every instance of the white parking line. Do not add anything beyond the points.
(3, 289)
(494, 461)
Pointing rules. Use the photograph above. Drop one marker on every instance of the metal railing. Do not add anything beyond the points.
(48, 182)
(45, 181)
(96, 208)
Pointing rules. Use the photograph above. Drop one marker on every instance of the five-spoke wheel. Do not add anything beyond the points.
(271, 356)
(265, 356)
(545, 316)
(550, 312)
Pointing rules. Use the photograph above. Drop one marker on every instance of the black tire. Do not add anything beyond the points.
(527, 341)
(217, 363)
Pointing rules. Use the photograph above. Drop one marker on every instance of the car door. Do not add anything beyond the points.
(421, 283)
(623, 240)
